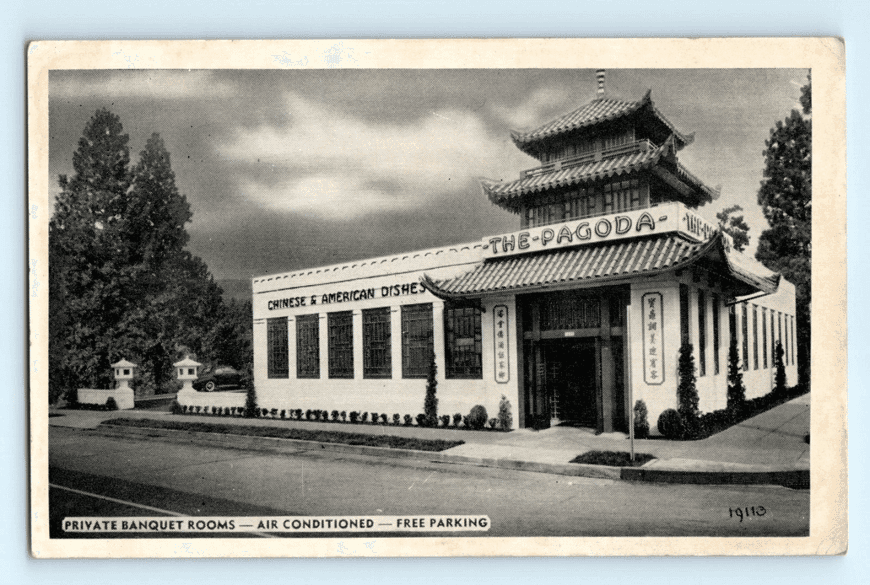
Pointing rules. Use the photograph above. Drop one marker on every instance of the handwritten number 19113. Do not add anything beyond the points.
(747, 512)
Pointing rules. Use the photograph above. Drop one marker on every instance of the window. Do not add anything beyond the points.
(715, 335)
(745, 330)
(764, 336)
(793, 348)
(340, 330)
(702, 333)
(754, 337)
(732, 328)
(308, 346)
(684, 314)
(462, 342)
(779, 329)
(772, 338)
(569, 310)
(276, 341)
(377, 362)
(417, 343)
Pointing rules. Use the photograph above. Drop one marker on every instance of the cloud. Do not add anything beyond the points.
(333, 165)
(153, 84)
(535, 110)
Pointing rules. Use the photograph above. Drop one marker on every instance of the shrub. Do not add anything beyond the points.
(408, 420)
(465, 422)
(493, 422)
(430, 404)
(354, 416)
(384, 418)
(422, 420)
(505, 418)
(183, 408)
(457, 418)
(214, 410)
(309, 414)
(477, 417)
(779, 378)
(687, 391)
(176, 408)
(365, 417)
(283, 414)
(334, 415)
(250, 403)
(343, 415)
(198, 408)
(111, 404)
(671, 424)
(736, 390)
(641, 424)
(397, 419)
(274, 412)
(445, 420)
(375, 418)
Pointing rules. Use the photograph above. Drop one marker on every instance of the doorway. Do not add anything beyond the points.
(571, 381)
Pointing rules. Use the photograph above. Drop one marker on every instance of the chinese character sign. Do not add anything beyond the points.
(501, 338)
(653, 342)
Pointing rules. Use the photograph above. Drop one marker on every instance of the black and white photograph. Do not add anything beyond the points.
(322, 306)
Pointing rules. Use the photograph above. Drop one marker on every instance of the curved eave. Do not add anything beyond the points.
(530, 142)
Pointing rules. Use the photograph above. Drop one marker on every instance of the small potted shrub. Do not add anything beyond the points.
(397, 419)
(408, 420)
(457, 418)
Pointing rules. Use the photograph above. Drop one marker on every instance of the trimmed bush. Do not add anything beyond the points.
(430, 404)
(375, 418)
(283, 414)
(198, 408)
(779, 378)
(111, 404)
(364, 418)
(465, 422)
(422, 420)
(309, 414)
(354, 416)
(457, 418)
(408, 420)
(176, 408)
(183, 408)
(687, 391)
(477, 417)
(445, 420)
(343, 415)
(334, 415)
(736, 395)
(397, 419)
(383, 418)
(274, 412)
(505, 418)
(671, 424)
(493, 422)
(641, 424)
(250, 403)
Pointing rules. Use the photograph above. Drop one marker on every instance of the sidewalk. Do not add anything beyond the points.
(768, 448)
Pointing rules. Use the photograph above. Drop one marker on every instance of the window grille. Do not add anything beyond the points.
(308, 346)
(417, 342)
(462, 340)
(377, 361)
(277, 355)
(340, 330)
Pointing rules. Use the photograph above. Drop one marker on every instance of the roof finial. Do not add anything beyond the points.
(600, 75)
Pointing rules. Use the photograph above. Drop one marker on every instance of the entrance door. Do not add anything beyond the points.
(572, 381)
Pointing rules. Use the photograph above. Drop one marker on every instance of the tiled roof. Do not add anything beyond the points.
(590, 265)
(595, 112)
(590, 171)
(582, 265)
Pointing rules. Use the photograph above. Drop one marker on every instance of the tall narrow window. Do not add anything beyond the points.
(340, 329)
(793, 348)
(702, 333)
(277, 355)
(732, 328)
(745, 331)
(772, 338)
(716, 342)
(462, 342)
(417, 342)
(308, 346)
(376, 343)
(786, 354)
(754, 337)
(684, 314)
(764, 336)
(779, 329)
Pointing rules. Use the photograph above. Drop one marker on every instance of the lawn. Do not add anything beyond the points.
(612, 458)
(388, 441)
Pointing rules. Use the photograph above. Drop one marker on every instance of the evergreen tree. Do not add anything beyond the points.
(251, 403)
(779, 378)
(785, 197)
(736, 389)
(430, 405)
(735, 226)
(687, 392)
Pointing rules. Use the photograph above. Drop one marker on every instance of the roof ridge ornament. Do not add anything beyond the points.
(600, 75)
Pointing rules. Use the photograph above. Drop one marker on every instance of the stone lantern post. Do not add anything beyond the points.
(188, 371)
(124, 372)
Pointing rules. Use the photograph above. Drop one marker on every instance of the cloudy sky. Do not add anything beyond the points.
(287, 169)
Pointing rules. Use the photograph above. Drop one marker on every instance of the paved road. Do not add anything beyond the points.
(185, 479)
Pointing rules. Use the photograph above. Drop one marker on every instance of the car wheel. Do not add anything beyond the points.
(210, 386)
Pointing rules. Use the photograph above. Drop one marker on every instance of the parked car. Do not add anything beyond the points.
(221, 377)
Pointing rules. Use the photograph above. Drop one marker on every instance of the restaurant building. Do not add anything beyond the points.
(572, 317)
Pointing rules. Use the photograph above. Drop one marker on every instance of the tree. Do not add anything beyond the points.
(785, 197)
(687, 391)
(121, 282)
(734, 226)
(430, 404)
(736, 390)
(779, 378)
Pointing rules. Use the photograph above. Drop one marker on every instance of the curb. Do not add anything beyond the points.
(797, 479)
